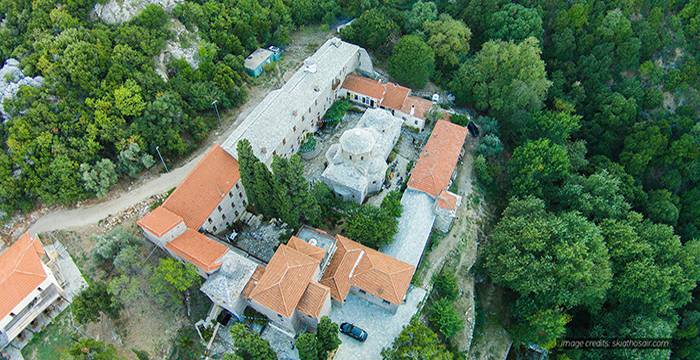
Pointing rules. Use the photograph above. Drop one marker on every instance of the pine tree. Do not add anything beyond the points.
(246, 166)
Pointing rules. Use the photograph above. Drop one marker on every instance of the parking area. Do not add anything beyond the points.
(381, 326)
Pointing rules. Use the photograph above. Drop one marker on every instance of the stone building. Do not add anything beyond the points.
(386, 95)
(278, 124)
(357, 164)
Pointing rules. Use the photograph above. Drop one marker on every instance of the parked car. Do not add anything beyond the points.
(353, 331)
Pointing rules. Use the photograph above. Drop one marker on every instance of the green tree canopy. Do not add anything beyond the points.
(371, 30)
(514, 22)
(444, 317)
(96, 299)
(537, 168)
(503, 77)
(412, 62)
(449, 39)
(416, 341)
(249, 345)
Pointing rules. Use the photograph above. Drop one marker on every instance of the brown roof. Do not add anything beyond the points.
(363, 85)
(447, 200)
(314, 298)
(437, 161)
(204, 188)
(21, 271)
(253, 282)
(355, 265)
(285, 280)
(159, 221)
(306, 248)
(394, 96)
(421, 106)
(198, 249)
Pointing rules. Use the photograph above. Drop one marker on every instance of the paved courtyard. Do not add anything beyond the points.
(381, 326)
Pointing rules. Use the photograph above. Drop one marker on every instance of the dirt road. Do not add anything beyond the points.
(302, 45)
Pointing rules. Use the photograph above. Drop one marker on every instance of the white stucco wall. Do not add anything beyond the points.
(167, 237)
(232, 207)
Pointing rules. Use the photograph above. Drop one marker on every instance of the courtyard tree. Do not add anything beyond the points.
(503, 77)
(250, 346)
(416, 341)
(327, 335)
(93, 301)
(307, 346)
(371, 226)
(254, 178)
(412, 62)
(294, 201)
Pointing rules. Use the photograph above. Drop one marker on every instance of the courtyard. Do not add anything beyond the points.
(381, 326)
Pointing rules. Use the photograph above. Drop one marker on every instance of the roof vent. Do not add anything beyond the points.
(316, 88)
(310, 66)
(313, 241)
(336, 42)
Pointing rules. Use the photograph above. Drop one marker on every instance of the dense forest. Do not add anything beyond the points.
(590, 148)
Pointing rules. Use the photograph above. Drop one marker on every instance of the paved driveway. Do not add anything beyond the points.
(381, 326)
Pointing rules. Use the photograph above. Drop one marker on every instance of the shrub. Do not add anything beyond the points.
(445, 285)
(444, 318)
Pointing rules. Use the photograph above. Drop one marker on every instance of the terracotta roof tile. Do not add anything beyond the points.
(355, 265)
(21, 271)
(253, 282)
(314, 297)
(204, 188)
(437, 161)
(306, 248)
(159, 221)
(394, 96)
(363, 85)
(447, 200)
(285, 280)
(198, 249)
(421, 106)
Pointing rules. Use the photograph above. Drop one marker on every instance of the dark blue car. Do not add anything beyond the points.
(353, 331)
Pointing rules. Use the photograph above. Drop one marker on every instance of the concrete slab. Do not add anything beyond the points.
(381, 326)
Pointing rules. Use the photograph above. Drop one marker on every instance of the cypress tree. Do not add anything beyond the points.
(246, 167)
(263, 187)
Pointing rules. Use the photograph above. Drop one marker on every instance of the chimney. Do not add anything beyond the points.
(310, 66)
(413, 109)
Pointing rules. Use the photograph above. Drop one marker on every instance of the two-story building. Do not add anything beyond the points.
(28, 287)
(387, 95)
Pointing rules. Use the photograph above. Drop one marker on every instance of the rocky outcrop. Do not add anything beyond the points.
(119, 11)
(184, 45)
(11, 78)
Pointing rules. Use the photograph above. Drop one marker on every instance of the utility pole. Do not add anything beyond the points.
(213, 103)
(161, 159)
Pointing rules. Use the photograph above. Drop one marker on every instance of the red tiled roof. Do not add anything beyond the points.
(306, 248)
(394, 96)
(447, 200)
(285, 280)
(314, 298)
(355, 265)
(198, 249)
(253, 282)
(159, 221)
(204, 188)
(437, 161)
(421, 106)
(363, 85)
(21, 272)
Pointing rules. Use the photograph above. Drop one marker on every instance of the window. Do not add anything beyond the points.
(284, 141)
(294, 128)
(209, 220)
(362, 157)
(240, 195)
(236, 212)
(219, 207)
(214, 229)
(279, 316)
(386, 302)
(223, 216)
(362, 291)
(230, 194)
(238, 186)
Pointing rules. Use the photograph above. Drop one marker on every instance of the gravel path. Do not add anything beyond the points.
(303, 44)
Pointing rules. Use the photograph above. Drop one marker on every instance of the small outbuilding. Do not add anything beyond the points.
(255, 62)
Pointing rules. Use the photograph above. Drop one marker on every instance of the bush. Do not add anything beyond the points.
(444, 318)
(445, 285)
(248, 345)
(308, 145)
(336, 112)
(96, 299)
(459, 119)
(308, 347)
